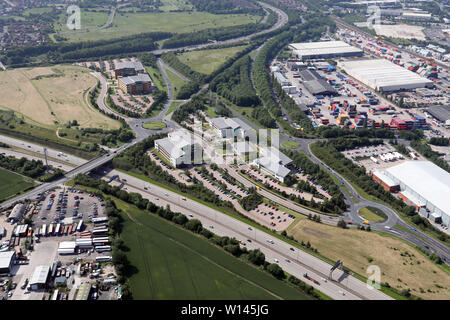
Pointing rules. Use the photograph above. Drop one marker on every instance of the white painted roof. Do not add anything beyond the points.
(40, 275)
(323, 47)
(5, 259)
(427, 179)
(381, 73)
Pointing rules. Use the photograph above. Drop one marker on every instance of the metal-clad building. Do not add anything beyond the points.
(383, 75)
(39, 277)
(441, 113)
(6, 261)
(16, 213)
(324, 49)
(424, 185)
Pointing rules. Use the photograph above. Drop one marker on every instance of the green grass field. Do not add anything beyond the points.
(172, 263)
(290, 144)
(173, 106)
(154, 125)
(128, 23)
(12, 184)
(175, 81)
(157, 78)
(207, 61)
(372, 214)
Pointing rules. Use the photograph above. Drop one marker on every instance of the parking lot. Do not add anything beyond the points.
(255, 174)
(66, 206)
(61, 211)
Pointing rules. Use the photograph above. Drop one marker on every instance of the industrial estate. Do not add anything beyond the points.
(224, 150)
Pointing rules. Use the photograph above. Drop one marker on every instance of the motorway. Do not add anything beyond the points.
(282, 20)
(300, 261)
(223, 226)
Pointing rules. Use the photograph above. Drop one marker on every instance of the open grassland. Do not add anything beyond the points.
(154, 125)
(401, 265)
(290, 144)
(372, 214)
(90, 20)
(172, 263)
(168, 5)
(52, 96)
(207, 61)
(12, 183)
(157, 78)
(175, 81)
(126, 24)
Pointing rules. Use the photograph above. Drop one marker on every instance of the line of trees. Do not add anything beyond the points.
(230, 245)
(69, 52)
(35, 169)
(328, 153)
(234, 84)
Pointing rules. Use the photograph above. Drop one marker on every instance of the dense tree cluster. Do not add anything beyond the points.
(77, 51)
(171, 59)
(31, 168)
(188, 89)
(261, 78)
(251, 201)
(234, 84)
(226, 6)
(442, 141)
(435, 157)
(182, 113)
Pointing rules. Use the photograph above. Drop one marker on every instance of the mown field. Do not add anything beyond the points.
(401, 265)
(175, 81)
(172, 263)
(207, 61)
(11, 184)
(128, 23)
(372, 214)
(52, 96)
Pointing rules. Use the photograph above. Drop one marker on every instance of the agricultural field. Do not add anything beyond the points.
(172, 263)
(207, 61)
(401, 265)
(126, 24)
(52, 96)
(12, 183)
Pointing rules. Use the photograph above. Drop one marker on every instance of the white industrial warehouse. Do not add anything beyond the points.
(383, 75)
(425, 186)
(324, 49)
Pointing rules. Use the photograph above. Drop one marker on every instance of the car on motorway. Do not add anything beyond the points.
(270, 241)
(249, 228)
(292, 249)
(413, 229)
(211, 226)
(276, 260)
(190, 215)
(287, 260)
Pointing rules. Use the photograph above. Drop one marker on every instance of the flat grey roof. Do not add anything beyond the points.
(442, 113)
(5, 259)
(143, 77)
(40, 275)
(136, 65)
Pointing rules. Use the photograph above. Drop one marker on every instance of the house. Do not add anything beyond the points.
(180, 148)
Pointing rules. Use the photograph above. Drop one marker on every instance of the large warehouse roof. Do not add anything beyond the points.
(5, 259)
(426, 179)
(441, 113)
(383, 75)
(323, 48)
